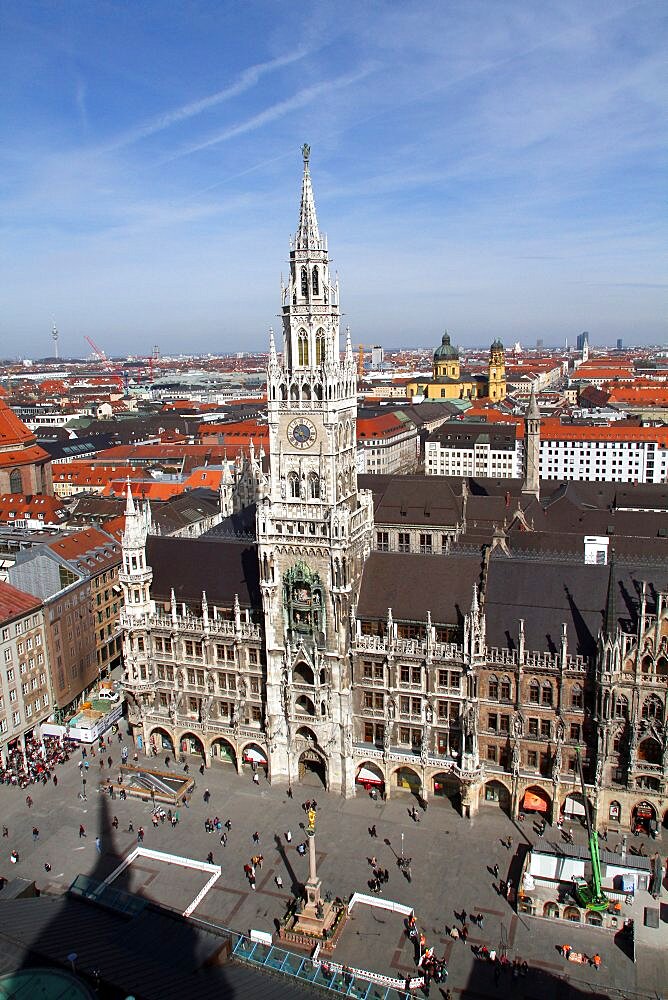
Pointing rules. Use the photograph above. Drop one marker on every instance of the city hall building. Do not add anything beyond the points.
(411, 636)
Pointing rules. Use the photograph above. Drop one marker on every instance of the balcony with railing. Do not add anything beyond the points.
(194, 625)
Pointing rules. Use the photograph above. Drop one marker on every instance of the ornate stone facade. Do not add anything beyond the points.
(427, 671)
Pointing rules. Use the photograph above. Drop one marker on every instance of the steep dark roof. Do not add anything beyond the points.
(545, 595)
(219, 566)
(427, 500)
(412, 584)
(181, 511)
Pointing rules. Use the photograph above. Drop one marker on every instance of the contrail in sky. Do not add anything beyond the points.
(246, 80)
(298, 100)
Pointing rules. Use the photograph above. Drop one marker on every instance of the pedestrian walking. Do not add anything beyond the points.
(223, 839)
(140, 835)
(131, 827)
(228, 825)
(495, 869)
(372, 831)
(109, 762)
(256, 778)
(28, 801)
(207, 795)
(279, 882)
(566, 951)
(209, 858)
(98, 844)
(288, 836)
(55, 781)
(5, 831)
(114, 822)
(82, 831)
(256, 837)
(509, 843)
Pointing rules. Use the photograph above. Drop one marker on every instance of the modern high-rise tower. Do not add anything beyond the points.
(314, 528)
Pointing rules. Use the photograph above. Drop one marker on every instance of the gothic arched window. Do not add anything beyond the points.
(305, 282)
(293, 485)
(319, 346)
(622, 707)
(15, 484)
(652, 708)
(493, 684)
(576, 696)
(534, 692)
(316, 282)
(546, 693)
(302, 347)
(505, 689)
(313, 486)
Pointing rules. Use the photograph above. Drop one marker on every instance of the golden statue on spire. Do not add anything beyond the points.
(306, 152)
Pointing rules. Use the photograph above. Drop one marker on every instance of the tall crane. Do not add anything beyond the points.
(99, 353)
(589, 893)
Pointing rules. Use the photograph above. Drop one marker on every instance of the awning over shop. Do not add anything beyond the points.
(534, 802)
(368, 777)
(253, 754)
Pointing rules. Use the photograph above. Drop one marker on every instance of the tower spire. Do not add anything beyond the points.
(129, 502)
(308, 234)
(273, 359)
(611, 599)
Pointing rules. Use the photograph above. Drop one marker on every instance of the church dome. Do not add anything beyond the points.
(446, 350)
(496, 345)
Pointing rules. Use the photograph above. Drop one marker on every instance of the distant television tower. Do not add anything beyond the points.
(54, 334)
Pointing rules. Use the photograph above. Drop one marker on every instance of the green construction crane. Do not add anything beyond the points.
(590, 894)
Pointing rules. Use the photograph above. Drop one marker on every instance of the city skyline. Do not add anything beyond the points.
(484, 168)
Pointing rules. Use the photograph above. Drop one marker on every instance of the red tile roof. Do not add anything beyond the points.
(12, 429)
(384, 425)
(84, 548)
(14, 602)
(552, 429)
(635, 395)
(20, 507)
(23, 456)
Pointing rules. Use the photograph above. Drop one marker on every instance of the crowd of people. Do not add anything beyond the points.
(37, 763)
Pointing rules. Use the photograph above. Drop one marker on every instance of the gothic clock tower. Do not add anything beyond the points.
(314, 528)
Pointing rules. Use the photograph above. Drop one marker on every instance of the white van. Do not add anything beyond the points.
(108, 694)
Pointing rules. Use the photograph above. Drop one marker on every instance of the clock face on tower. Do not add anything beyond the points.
(301, 433)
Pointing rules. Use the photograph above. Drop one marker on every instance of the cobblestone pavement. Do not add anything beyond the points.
(451, 871)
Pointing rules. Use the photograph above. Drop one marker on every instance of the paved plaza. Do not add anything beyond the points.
(452, 862)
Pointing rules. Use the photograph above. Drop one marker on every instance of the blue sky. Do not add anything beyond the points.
(496, 167)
